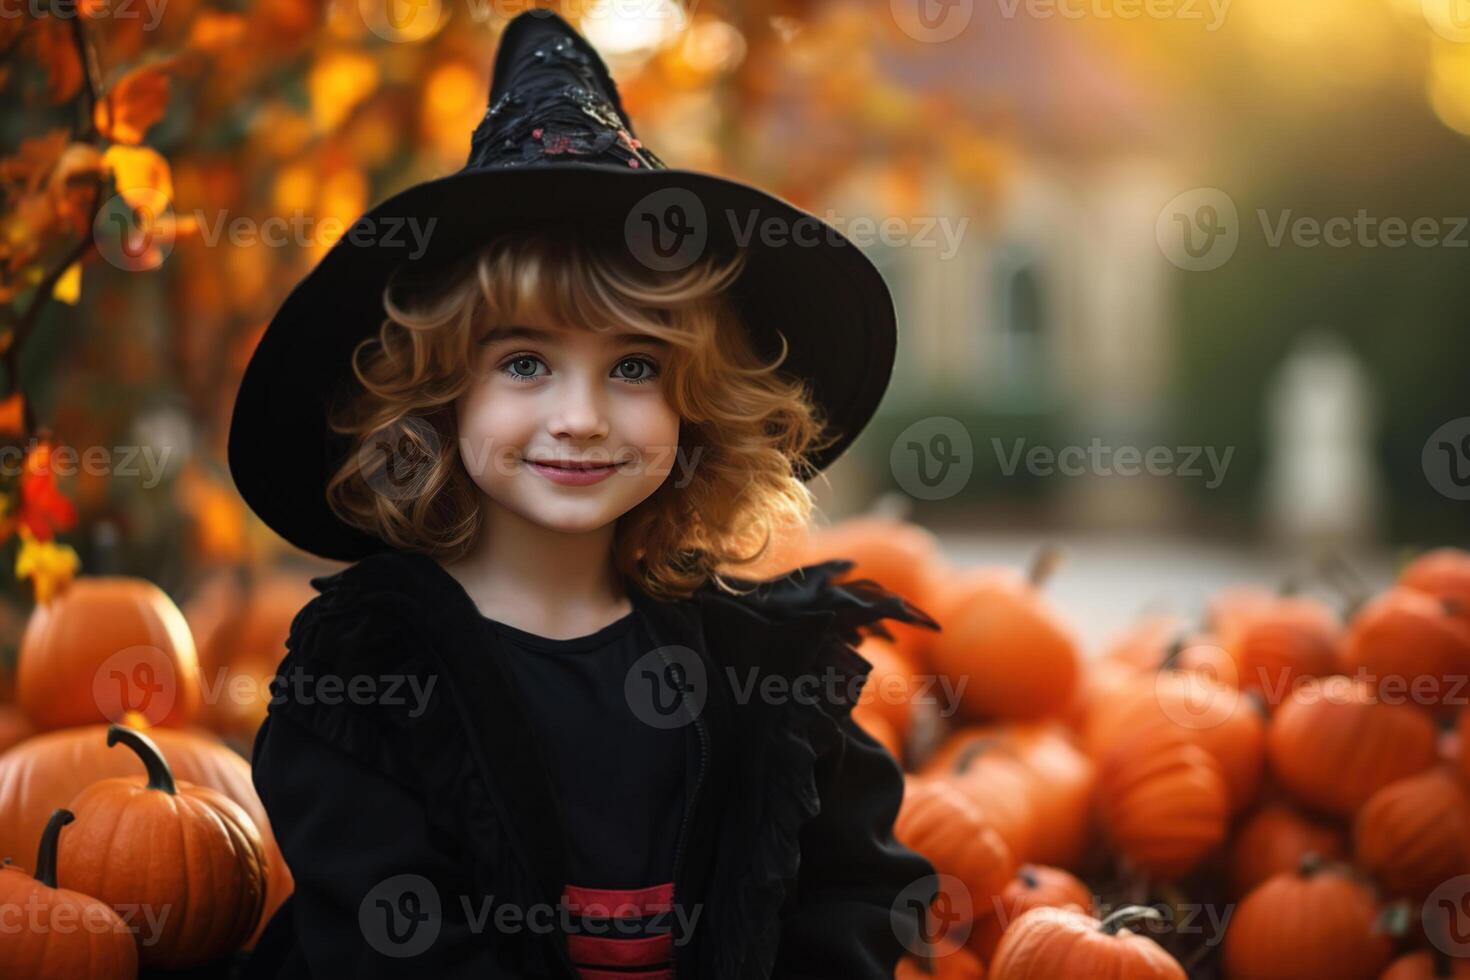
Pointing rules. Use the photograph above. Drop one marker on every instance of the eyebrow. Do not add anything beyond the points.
(519, 332)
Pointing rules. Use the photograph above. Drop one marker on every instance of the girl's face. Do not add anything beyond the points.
(589, 401)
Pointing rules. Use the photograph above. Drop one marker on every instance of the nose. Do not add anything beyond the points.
(579, 412)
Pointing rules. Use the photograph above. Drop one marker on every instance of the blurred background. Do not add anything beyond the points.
(1182, 284)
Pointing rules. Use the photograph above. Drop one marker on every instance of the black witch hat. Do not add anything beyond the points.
(554, 143)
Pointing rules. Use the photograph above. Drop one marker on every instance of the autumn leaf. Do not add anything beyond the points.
(68, 288)
(29, 166)
(52, 45)
(133, 105)
(12, 415)
(49, 566)
(44, 509)
(140, 173)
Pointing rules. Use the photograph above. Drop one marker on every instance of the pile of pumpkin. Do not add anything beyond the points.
(1273, 788)
(109, 659)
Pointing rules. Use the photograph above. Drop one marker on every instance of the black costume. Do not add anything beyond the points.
(406, 816)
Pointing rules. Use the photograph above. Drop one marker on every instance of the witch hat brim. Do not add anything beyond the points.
(802, 278)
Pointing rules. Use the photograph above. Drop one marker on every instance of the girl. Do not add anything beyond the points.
(537, 728)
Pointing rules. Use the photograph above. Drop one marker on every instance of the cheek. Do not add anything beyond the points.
(651, 424)
(490, 423)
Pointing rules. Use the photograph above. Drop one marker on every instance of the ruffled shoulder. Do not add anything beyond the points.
(814, 589)
(811, 621)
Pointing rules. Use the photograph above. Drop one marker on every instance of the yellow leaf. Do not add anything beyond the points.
(140, 174)
(68, 288)
(50, 566)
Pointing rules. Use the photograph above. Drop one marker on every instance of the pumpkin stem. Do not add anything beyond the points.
(1345, 579)
(46, 853)
(1125, 916)
(972, 749)
(1310, 864)
(1044, 564)
(1171, 655)
(159, 774)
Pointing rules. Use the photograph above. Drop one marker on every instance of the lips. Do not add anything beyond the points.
(571, 465)
(572, 474)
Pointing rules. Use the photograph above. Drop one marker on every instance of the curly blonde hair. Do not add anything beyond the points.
(749, 427)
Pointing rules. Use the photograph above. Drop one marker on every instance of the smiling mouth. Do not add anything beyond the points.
(573, 467)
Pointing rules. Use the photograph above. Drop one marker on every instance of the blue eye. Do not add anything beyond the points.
(650, 373)
(640, 362)
(521, 359)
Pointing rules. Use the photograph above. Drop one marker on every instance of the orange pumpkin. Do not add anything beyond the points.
(948, 960)
(15, 727)
(1293, 638)
(65, 934)
(1411, 647)
(1334, 743)
(1144, 643)
(1162, 802)
(154, 843)
(1015, 653)
(1231, 609)
(1165, 641)
(1427, 964)
(1060, 788)
(1033, 887)
(1316, 921)
(1048, 943)
(991, 774)
(1443, 573)
(59, 765)
(1274, 839)
(942, 824)
(1414, 833)
(1217, 717)
(104, 647)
